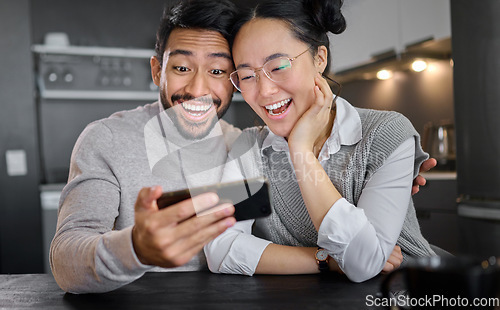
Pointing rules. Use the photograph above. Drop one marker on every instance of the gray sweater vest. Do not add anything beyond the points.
(349, 170)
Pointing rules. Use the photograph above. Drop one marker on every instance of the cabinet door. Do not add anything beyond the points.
(372, 28)
(423, 19)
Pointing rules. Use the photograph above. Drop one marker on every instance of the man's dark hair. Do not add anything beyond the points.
(216, 15)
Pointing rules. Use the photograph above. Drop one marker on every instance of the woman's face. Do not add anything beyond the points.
(260, 40)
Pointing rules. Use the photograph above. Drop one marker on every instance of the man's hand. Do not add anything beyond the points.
(420, 180)
(394, 260)
(172, 236)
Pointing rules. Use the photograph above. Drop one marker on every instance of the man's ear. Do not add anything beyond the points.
(321, 59)
(155, 70)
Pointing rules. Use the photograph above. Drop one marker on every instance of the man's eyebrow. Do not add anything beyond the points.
(268, 58)
(222, 54)
(180, 52)
(189, 53)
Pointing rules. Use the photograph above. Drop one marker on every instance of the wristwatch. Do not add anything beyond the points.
(322, 260)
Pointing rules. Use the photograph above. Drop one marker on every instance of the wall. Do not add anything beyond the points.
(112, 23)
(20, 214)
(422, 97)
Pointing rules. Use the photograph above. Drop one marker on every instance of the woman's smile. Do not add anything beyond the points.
(279, 109)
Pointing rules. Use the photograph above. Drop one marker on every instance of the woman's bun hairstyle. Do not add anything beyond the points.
(309, 20)
(326, 14)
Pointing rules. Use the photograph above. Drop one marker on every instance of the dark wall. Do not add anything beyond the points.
(20, 214)
(422, 97)
(113, 23)
(476, 48)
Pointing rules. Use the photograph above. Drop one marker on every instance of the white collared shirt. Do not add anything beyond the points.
(360, 238)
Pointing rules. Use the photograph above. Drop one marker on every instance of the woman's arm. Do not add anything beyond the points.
(344, 228)
(306, 139)
(237, 251)
(361, 237)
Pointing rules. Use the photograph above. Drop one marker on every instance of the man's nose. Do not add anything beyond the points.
(198, 85)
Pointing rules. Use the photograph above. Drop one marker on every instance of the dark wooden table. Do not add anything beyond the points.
(195, 290)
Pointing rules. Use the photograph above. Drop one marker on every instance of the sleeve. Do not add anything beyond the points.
(236, 251)
(87, 254)
(362, 238)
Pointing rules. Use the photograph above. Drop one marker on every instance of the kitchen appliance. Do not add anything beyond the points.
(477, 106)
(77, 85)
(439, 142)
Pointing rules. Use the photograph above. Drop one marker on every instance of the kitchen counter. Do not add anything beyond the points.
(440, 175)
(196, 290)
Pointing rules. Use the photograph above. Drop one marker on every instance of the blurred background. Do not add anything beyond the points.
(65, 64)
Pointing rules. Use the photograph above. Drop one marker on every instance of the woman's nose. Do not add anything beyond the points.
(266, 86)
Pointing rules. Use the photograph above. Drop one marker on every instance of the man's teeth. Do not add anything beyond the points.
(193, 108)
(277, 105)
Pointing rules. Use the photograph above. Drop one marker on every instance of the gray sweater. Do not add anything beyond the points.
(112, 160)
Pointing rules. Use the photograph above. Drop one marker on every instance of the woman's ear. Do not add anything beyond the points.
(155, 70)
(321, 59)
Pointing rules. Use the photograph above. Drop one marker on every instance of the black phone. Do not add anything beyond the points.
(250, 197)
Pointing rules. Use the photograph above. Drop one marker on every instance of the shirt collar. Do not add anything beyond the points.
(346, 131)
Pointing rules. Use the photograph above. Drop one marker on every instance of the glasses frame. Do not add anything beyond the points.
(267, 74)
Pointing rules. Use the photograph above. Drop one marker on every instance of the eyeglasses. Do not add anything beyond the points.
(277, 70)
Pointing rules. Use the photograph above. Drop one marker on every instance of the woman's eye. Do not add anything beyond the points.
(246, 77)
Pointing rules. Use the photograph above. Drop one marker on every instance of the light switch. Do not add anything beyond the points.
(16, 162)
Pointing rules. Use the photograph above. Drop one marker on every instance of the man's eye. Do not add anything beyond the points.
(181, 68)
(217, 71)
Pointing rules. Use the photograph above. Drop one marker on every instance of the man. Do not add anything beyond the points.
(110, 231)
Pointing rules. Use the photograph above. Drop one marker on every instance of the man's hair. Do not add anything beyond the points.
(215, 15)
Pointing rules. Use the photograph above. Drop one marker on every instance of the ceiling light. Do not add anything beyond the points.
(419, 65)
(384, 74)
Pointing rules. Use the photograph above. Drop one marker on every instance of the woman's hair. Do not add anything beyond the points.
(309, 20)
(195, 14)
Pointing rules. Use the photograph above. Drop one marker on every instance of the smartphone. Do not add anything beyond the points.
(250, 197)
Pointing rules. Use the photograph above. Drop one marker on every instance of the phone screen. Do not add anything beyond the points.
(250, 197)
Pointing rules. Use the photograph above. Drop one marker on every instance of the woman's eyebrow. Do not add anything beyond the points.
(268, 58)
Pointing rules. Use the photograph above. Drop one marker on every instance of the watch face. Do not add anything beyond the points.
(321, 254)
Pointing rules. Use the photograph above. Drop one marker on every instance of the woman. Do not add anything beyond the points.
(340, 176)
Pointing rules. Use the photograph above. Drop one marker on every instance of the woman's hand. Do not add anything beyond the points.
(313, 128)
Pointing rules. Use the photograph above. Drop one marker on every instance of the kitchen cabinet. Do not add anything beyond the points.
(436, 209)
(375, 27)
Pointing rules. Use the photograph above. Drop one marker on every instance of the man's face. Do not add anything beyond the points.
(194, 80)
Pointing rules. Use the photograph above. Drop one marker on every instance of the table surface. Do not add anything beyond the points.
(200, 290)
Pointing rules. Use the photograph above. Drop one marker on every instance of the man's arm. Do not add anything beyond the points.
(89, 253)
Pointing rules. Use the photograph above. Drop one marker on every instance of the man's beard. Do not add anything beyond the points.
(190, 129)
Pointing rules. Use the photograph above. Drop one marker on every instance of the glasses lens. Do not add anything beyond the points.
(278, 69)
(243, 79)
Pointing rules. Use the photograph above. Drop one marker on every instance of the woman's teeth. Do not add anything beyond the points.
(274, 109)
(195, 109)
